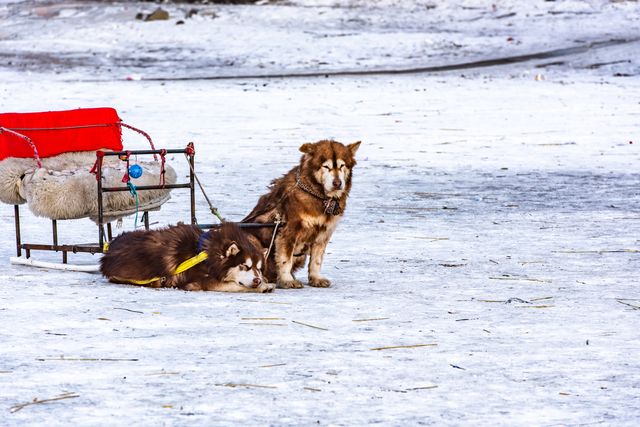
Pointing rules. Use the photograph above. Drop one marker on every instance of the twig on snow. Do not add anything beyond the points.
(431, 239)
(524, 279)
(262, 324)
(233, 385)
(403, 346)
(273, 366)
(370, 320)
(635, 307)
(126, 309)
(84, 359)
(604, 251)
(428, 387)
(36, 401)
(540, 299)
(311, 326)
(163, 372)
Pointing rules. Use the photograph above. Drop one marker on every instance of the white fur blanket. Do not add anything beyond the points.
(65, 189)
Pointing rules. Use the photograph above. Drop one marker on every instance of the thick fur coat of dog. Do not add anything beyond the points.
(310, 199)
(233, 262)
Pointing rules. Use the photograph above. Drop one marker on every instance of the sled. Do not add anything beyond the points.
(66, 165)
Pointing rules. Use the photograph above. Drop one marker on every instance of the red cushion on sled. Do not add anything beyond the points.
(56, 132)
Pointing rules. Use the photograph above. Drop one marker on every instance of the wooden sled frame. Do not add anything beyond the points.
(103, 235)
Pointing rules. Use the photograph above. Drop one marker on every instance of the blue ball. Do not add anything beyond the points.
(135, 171)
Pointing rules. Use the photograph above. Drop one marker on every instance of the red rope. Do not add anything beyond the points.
(143, 133)
(35, 150)
(97, 164)
(36, 156)
(125, 158)
(190, 150)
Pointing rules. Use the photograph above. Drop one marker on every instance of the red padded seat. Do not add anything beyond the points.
(56, 132)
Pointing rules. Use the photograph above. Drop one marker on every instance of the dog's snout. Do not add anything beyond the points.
(257, 281)
(337, 183)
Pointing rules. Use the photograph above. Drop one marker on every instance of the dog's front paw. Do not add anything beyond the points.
(290, 284)
(266, 287)
(319, 282)
(192, 287)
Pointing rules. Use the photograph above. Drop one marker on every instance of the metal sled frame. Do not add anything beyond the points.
(107, 235)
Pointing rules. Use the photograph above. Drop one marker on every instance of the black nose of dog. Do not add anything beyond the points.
(257, 281)
(337, 183)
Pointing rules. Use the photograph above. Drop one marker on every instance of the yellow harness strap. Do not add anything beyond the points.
(184, 266)
(191, 262)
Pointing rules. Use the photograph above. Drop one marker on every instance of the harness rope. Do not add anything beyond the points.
(273, 236)
(212, 208)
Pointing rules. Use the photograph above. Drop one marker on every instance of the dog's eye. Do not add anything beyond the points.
(341, 167)
(326, 167)
(244, 267)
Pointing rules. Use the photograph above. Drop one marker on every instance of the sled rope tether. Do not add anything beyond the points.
(212, 208)
(273, 236)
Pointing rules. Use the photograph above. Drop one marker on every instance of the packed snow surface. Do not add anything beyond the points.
(485, 271)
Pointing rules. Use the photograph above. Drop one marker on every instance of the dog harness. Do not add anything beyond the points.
(331, 205)
(181, 268)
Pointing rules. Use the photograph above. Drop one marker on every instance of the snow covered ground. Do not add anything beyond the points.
(493, 227)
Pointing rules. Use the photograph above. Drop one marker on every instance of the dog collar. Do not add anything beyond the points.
(331, 205)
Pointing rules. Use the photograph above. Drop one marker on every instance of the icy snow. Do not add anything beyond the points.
(494, 223)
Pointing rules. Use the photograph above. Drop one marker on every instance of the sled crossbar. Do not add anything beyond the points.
(145, 187)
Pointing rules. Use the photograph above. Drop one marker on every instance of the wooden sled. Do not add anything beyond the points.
(71, 164)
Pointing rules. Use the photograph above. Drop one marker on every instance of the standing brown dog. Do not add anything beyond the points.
(310, 199)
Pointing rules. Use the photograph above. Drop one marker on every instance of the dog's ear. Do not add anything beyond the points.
(354, 147)
(307, 148)
(232, 250)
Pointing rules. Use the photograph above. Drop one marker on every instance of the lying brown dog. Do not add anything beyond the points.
(310, 199)
(230, 263)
